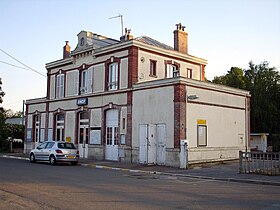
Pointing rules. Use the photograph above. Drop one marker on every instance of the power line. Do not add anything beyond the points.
(14, 65)
(23, 63)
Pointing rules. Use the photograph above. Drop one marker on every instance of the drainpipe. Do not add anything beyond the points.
(246, 124)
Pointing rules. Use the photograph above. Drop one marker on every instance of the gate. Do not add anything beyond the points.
(259, 163)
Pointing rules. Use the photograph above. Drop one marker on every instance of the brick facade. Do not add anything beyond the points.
(179, 114)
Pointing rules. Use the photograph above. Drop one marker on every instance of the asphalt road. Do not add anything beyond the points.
(40, 186)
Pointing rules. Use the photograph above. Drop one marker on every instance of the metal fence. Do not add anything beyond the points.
(259, 163)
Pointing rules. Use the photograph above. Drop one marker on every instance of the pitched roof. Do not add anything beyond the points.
(150, 41)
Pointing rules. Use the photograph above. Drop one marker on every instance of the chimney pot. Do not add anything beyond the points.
(126, 36)
(180, 39)
(66, 50)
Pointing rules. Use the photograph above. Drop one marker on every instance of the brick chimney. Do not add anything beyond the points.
(66, 50)
(126, 36)
(180, 39)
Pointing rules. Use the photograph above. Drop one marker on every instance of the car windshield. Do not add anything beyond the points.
(66, 146)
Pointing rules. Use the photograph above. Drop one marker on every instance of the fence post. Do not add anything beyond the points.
(240, 162)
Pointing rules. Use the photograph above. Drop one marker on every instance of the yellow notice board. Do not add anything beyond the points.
(201, 122)
(68, 139)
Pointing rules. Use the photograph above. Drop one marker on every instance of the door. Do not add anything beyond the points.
(112, 135)
(83, 142)
(143, 146)
(152, 144)
(83, 134)
(161, 144)
(147, 144)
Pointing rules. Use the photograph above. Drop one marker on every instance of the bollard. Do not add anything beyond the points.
(183, 154)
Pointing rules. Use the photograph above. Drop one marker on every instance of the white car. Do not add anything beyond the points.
(55, 151)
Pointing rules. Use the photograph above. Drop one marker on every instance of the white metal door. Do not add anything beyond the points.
(161, 144)
(112, 129)
(143, 146)
(152, 144)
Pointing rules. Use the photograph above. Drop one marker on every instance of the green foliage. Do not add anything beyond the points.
(8, 130)
(233, 78)
(263, 82)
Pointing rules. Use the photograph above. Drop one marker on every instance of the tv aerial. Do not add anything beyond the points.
(121, 17)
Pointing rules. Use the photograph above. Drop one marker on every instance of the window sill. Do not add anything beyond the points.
(154, 76)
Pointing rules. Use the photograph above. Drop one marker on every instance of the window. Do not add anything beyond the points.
(113, 76)
(189, 72)
(153, 68)
(59, 127)
(42, 146)
(86, 81)
(202, 135)
(172, 71)
(50, 145)
(36, 128)
(59, 85)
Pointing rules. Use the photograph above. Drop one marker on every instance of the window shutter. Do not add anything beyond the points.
(76, 83)
(89, 80)
(62, 85)
(57, 86)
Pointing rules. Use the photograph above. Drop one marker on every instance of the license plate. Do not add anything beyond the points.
(70, 156)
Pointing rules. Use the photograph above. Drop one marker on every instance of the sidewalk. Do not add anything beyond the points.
(222, 172)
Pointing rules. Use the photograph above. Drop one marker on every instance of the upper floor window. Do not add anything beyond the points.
(86, 81)
(153, 68)
(113, 76)
(172, 71)
(189, 72)
(60, 85)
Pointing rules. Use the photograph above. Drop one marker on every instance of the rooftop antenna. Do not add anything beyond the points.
(121, 17)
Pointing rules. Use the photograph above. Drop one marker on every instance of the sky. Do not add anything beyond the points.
(227, 33)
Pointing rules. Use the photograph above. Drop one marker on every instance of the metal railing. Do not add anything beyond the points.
(259, 163)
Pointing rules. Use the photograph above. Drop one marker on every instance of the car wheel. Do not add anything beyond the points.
(52, 160)
(32, 158)
(74, 163)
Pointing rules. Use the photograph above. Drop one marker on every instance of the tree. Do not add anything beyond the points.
(263, 82)
(8, 130)
(1, 92)
(233, 78)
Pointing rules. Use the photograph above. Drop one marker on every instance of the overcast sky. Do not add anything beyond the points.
(225, 32)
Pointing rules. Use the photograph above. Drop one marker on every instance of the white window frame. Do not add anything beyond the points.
(113, 76)
(60, 127)
(37, 128)
(201, 135)
(172, 71)
(86, 81)
(60, 86)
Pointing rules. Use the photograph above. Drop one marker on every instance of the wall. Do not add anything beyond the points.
(224, 114)
(144, 67)
(153, 106)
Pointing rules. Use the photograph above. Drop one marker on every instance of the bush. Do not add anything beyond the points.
(4, 145)
(275, 142)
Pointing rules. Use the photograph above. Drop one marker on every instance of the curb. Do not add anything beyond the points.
(250, 181)
(14, 157)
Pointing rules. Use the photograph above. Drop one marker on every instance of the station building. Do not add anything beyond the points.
(134, 99)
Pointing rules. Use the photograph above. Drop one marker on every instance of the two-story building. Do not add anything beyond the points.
(133, 100)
